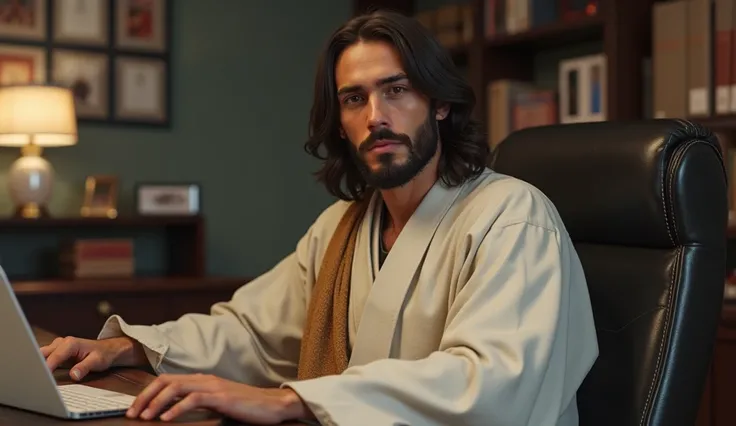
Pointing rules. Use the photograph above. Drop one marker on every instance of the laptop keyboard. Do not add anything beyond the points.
(81, 399)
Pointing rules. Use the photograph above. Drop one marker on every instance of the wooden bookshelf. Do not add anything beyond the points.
(183, 236)
(717, 122)
(460, 55)
(623, 27)
(558, 34)
(81, 306)
(729, 315)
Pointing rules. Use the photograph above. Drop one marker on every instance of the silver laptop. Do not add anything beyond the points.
(27, 383)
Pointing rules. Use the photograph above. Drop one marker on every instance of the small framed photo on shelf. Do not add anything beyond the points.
(141, 25)
(86, 74)
(82, 22)
(171, 199)
(23, 19)
(141, 89)
(583, 89)
(22, 64)
(100, 197)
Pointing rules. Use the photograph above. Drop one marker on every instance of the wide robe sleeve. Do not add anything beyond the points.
(519, 340)
(253, 338)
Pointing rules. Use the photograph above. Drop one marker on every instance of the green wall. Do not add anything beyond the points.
(242, 88)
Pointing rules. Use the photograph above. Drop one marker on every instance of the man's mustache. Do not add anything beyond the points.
(383, 134)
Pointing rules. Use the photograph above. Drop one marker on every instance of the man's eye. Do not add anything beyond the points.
(352, 99)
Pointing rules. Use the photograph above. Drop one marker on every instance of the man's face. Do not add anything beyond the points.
(390, 126)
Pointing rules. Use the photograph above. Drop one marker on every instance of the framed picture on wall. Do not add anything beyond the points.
(86, 74)
(81, 22)
(22, 64)
(141, 25)
(23, 19)
(141, 89)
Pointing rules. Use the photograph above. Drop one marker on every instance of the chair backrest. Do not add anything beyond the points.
(646, 206)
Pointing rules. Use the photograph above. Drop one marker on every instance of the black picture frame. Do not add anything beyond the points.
(113, 53)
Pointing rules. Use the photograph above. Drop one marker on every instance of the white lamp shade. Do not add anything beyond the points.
(42, 115)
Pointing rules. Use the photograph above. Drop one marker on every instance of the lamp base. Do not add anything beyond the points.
(31, 211)
(30, 181)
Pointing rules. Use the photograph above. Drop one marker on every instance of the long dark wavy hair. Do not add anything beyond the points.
(430, 70)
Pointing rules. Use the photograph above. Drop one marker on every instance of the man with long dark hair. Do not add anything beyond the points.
(434, 292)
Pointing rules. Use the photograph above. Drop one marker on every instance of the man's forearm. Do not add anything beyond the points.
(129, 353)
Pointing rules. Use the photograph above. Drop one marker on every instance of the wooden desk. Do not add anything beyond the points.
(130, 381)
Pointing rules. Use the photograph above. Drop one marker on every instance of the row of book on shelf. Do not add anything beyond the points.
(97, 258)
(691, 79)
(580, 96)
(514, 16)
(452, 23)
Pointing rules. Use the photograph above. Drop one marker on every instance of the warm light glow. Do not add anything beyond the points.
(591, 8)
(42, 114)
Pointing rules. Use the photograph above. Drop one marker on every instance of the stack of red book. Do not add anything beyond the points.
(97, 258)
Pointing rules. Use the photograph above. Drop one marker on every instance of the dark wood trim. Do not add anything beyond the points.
(553, 35)
(403, 6)
(728, 317)
(119, 222)
(627, 41)
(125, 285)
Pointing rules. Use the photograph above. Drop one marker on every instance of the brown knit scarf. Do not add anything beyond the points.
(325, 347)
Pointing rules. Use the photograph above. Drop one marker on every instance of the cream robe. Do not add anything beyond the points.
(480, 315)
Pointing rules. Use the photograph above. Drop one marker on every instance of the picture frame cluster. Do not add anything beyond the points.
(113, 54)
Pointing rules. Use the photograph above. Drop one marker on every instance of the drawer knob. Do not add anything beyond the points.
(104, 308)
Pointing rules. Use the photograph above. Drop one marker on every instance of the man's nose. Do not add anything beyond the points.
(377, 116)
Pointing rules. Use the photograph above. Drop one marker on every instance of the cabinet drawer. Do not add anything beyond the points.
(84, 315)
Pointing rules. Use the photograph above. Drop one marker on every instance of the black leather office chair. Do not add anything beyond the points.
(646, 205)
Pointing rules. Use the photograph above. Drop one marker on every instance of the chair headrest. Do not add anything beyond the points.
(659, 183)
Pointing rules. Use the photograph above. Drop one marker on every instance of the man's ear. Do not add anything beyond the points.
(442, 110)
(342, 133)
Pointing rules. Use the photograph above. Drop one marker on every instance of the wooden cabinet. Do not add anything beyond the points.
(80, 308)
(159, 292)
(719, 397)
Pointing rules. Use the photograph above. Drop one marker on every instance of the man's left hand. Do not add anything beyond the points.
(236, 400)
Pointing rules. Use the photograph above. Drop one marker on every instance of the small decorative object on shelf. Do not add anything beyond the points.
(168, 199)
(100, 197)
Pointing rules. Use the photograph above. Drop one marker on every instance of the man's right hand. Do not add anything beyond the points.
(92, 355)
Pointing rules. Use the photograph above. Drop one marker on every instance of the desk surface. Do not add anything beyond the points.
(130, 381)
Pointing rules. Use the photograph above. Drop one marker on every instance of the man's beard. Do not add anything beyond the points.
(390, 175)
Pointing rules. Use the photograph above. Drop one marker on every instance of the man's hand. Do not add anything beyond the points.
(238, 401)
(92, 355)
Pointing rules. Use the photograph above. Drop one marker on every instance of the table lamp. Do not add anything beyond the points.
(33, 117)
